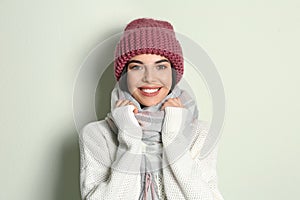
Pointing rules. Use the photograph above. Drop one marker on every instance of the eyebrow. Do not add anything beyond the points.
(140, 62)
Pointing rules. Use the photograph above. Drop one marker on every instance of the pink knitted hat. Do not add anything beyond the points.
(148, 36)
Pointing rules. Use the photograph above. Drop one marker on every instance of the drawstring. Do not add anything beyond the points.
(149, 182)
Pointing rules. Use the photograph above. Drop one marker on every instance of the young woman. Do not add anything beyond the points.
(148, 145)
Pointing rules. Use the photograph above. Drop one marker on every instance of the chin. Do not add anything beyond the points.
(148, 104)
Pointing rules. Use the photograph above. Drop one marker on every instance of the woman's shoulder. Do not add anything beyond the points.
(98, 142)
(97, 130)
(92, 127)
(95, 125)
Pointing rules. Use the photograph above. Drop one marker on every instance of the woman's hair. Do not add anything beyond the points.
(123, 79)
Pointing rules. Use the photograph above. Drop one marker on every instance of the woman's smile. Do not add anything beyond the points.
(149, 91)
(149, 96)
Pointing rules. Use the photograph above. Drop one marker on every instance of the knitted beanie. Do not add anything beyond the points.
(148, 36)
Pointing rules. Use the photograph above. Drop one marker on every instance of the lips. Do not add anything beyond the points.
(149, 91)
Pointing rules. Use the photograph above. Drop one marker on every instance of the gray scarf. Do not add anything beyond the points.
(151, 120)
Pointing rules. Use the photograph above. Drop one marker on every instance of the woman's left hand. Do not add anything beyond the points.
(172, 102)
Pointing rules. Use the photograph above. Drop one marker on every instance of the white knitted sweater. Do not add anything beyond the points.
(188, 178)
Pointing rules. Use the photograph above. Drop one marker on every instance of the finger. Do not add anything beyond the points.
(172, 101)
(118, 103)
(135, 107)
(124, 102)
(165, 105)
(131, 103)
(178, 101)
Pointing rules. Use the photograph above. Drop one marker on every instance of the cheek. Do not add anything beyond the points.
(166, 79)
(132, 82)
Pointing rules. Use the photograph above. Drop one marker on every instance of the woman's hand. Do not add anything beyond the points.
(172, 102)
(126, 102)
(124, 118)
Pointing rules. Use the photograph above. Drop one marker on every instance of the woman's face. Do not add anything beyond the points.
(149, 78)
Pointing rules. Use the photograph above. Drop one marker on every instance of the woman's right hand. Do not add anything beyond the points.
(125, 102)
(123, 116)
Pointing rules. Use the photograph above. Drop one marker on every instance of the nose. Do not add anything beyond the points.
(149, 76)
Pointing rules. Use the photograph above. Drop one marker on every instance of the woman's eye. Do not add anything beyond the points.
(135, 67)
(160, 67)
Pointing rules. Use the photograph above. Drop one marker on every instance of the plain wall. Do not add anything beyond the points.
(254, 45)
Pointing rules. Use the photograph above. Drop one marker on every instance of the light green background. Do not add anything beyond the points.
(254, 44)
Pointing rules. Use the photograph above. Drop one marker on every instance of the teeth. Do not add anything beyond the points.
(150, 90)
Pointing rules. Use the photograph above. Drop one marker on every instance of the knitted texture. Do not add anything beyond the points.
(188, 178)
(148, 36)
(111, 155)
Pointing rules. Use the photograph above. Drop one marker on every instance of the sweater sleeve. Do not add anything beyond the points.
(188, 177)
(110, 170)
